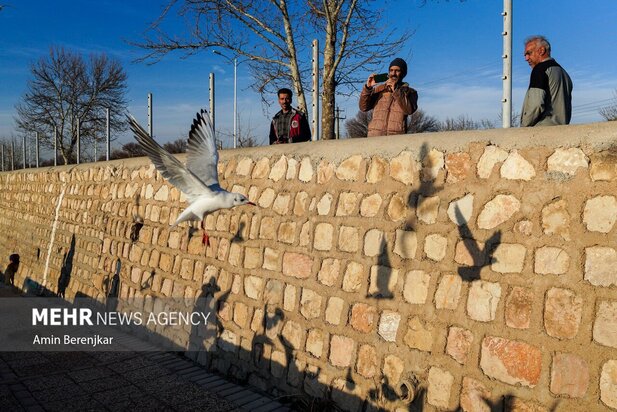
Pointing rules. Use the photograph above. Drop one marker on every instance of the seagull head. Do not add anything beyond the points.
(240, 199)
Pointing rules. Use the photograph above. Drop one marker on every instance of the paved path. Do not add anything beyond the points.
(117, 381)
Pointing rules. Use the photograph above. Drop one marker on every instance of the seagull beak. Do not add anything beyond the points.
(251, 203)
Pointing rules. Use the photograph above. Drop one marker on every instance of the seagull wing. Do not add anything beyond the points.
(202, 157)
(167, 164)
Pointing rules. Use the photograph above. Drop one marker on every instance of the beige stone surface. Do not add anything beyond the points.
(329, 271)
(603, 167)
(253, 287)
(348, 203)
(562, 313)
(393, 368)
(519, 304)
(569, 375)
(363, 317)
(415, 290)
(397, 208)
(600, 264)
(605, 324)
(388, 325)
(323, 236)
(310, 303)
(262, 168)
(439, 387)
(461, 210)
(377, 170)
(349, 239)
(315, 342)
(458, 166)
(510, 361)
(491, 156)
(556, 219)
(459, 343)
(374, 243)
(350, 169)
(278, 169)
(354, 276)
(334, 310)
(567, 161)
(435, 247)
(324, 204)
(551, 261)
(517, 168)
(405, 244)
(427, 209)
(509, 258)
(383, 281)
(474, 396)
(419, 335)
(608, 384)
(497, 211)
(341, 351)
(403, 168)
(432, 163)
(483, 300)
(600, 213)
(306, 170)
(448, 292)
(325, 172)
(370, 205)
(368, 363)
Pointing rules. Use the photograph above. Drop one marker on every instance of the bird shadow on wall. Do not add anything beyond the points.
(427, 187)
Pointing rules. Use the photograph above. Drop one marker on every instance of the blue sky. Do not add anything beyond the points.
(454, 58)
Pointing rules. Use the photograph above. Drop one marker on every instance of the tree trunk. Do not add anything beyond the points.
(329, 69)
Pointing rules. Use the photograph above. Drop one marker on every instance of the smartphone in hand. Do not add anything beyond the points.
(380, 78)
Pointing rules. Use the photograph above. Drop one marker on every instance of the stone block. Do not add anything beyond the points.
(461, 210)
(567, 161)
(297, 265)
(569, 375)
(335, 310)
(342, 351)
(608, 384)
(240, 314)
(603, 167)
(368, 363)
(329, 272)
(600, 264)
(556, 219)
(448, 292)
(290, 298)
(518, 307)
(474, 396)
(266, 198)
(600, 214)
(348, 239)
(310, 304)
(483, 300)
(376, 170)
(315, 342)
(267, 228)
(271, 259)
(397, 208)
(301, 204)
(491, 156)
(427, 209)
(383, 281)
(354, 277)
(509, 258)
(510, 361)
(374, 243)
(325, 171)
(551, 261)
(262, 168)
(416, 287)
(347, 203)
(281, 204)
(432, 163)
(403, 168)
(370, 205)
(306, 170)
(517, 168)
(293, 334)
(435, 247)
(350, 169)
(458, 166)
(405, 244)
(363, 317)
(292, 169)
(605, 325)
(439, 387)
(253, 287)
(470, 252)
(324, 204)
(244, 166)
(459, 344)
(419, 336)
(497, 211)
(562, 313)
(323, 236)
(287, 232)
(388, 325)
(393, 368)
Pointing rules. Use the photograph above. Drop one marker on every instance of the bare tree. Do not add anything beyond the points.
(276, 35)
(67, 89)
(610, 112)
(358, 126)
(128, 150)
(177, 146)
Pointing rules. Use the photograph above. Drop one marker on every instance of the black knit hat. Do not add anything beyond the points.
(400, 63)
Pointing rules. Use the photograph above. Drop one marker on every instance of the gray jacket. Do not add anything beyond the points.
(548, 101)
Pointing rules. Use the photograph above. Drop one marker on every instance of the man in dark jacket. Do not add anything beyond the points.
(289, 125)
(548, 100)
(391, 101)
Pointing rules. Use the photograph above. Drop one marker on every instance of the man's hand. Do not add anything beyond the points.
(391, 83)
(370, 82)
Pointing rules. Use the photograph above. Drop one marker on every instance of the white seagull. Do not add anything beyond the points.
(199, 180)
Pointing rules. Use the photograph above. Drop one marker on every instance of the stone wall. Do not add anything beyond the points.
(475, 268)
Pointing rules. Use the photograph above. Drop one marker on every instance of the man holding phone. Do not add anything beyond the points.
(391, 101)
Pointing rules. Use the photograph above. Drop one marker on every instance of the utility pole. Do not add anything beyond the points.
(211, 101)
(36, 150)
(107, 136)
(55, 146)
(338, 117)
(150, 121)
(315, 99)
(506, 112)
(23, 143)
(78, 142)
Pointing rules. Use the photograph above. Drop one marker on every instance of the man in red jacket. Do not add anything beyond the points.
(289, 125)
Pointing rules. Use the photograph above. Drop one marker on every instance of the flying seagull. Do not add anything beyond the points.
(198, 180)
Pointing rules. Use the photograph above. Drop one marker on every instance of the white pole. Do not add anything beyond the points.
(12, 155)
(2, 155)
(150, 121)
(506, 112)
(36, 150)
(212, 102)
(107, 135)
(315, 120)
(78, 141)
(23, 143)
(235, 102)
(55, 146)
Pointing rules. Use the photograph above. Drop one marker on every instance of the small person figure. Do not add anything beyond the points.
(11, 269)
